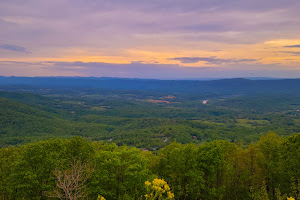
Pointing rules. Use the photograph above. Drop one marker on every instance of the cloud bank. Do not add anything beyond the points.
(149, 35)
(212, 60)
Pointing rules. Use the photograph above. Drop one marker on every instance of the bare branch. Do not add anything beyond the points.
(71, 183)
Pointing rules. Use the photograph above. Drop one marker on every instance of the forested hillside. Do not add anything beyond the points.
(142, 119)
(21, 123)
(149, 99)
(268, 169)
(134, 144)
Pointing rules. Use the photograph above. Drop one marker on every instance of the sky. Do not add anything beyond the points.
(162, 39)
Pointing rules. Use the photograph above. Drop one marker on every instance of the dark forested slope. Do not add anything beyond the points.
(22, 123)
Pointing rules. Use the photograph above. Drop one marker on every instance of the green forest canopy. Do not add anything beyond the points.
(219, 169)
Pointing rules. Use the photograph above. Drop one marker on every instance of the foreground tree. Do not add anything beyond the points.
(71, 183)
(120, 173)
(158, 189)
(179, 167)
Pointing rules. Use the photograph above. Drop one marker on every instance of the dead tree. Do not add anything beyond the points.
(71, 183)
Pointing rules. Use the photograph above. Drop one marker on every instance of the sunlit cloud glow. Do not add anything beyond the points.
(180, 38)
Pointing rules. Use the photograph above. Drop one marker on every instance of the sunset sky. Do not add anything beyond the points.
(164, 39)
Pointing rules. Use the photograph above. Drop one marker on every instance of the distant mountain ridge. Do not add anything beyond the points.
(226, 86)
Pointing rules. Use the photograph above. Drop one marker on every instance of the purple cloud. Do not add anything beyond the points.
(293, 46)
(16, 48)
(212, 60)
(91, 28)
(294, 53)
(69, 23)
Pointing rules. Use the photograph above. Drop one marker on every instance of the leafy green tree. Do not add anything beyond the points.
(179, 167)
(7, 157)
(32, 175)
(290, 164)
(212, 160)
(120, 173)
(271, 148)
